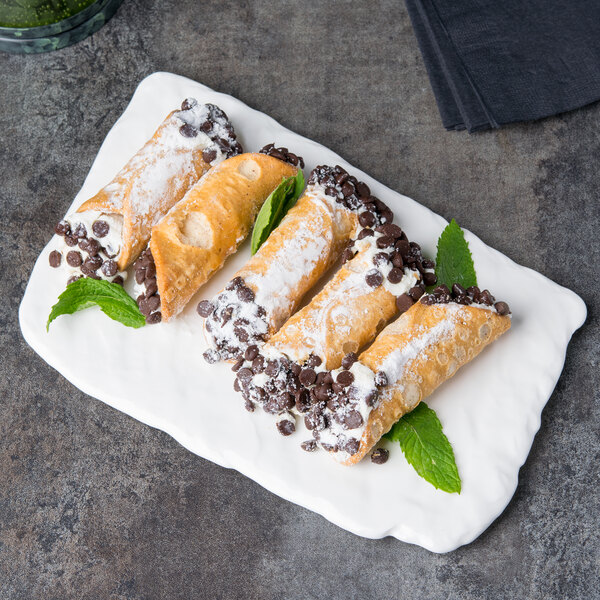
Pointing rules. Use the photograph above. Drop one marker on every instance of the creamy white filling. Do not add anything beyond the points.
(111, 243)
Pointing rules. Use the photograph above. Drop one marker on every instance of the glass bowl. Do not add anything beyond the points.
(30, 26)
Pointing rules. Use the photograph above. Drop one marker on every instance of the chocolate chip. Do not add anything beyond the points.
(238, 365)
(487, 298)
(150, 270)
(91, 264)
(302, 401)
(321, 377)
(251, 352)
(272, 368)
(245, 294)
(74, 258)
(55, 258)
(362, 189)
(345, 378)
(80, 231)
(100, 228)
(313, 361)
(206, 127)
(404, 302)
(352, 419)
(210, 359)
(473, 291)
(458, 290)
(429, 278)
(211, 356)
(118, 280)
(352, 446)
(154, 318)
(92, 247)
(347, 254)
(151, 286)
(381, 379)
(143, 306)
(395, 275)
(62, 228)
(429, 299)
(428, 264)
(502, 308)
(403, 247)
(349, 360)
(70, 240)
(309, 445)
(109, 268)
(374, 278)
(258, 365)
(366, 219)
(307, 377)
(241, 334)
(392, 230)
(397, 260)
(365, 233)
(153, 303)
(188, 103)
(286, 427)
(381, 258)
(347, 189)
(188, 131)
(385, 241)
(321, 391)
(74, 278)
(371, 398)
(209, 155)
(245, 374)
(379, 456)
(416, 292)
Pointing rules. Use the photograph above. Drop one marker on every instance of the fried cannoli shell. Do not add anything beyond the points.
(196, 236)
(424, 347)
(340, 319)
(151, 182)
(308, 241)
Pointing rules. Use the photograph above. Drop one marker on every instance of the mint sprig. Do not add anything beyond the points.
(426, 448)
(112, 299)
(454, 263)
(281, 199)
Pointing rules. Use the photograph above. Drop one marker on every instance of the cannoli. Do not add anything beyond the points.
(108, 231)
(311, 237)
(195, 237)
(407, 361)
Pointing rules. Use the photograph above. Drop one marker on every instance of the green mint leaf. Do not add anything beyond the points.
(112, 299)
(426, 448)
(281, 199)
(454, 263)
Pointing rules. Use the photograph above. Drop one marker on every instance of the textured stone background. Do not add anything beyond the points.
(95, 505)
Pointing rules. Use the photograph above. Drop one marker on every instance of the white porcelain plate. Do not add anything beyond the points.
(490, 410)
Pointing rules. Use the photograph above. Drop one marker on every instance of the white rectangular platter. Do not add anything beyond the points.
(490, 410)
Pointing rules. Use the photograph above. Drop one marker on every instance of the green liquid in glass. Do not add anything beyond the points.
(34, 13)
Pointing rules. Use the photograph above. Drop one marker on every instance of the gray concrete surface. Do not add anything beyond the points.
(95, 505)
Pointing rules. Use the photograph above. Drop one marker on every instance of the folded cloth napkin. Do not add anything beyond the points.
(492, 62)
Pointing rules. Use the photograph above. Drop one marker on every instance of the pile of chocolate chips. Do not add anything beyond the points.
(145, 274)
(460, 295)
(220, 313)
(283, 154)
(395, 249)
(213, 127)
(90, 261)
(351, 193)
(317, 396)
